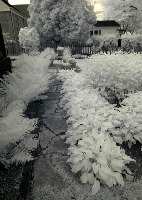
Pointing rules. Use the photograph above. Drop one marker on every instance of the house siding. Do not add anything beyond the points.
(4, 7)
(18, 23)
(106, 30)
(11, 24)
(6, 24)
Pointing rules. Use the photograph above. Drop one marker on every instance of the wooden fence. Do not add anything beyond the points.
(13, 49)
(76, 48)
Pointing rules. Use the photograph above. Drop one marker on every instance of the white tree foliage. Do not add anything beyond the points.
(127, 12)
(61, 20)
(29, 38)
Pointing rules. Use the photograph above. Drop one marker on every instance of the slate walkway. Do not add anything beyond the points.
(51, 171)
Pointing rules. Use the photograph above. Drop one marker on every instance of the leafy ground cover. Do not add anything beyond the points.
(29, 79)
(103, 104)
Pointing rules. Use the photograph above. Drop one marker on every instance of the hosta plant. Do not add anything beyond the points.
(92, 120)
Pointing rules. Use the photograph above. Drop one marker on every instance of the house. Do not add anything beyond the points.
(105, 27)
(23, 9)
(11, 20)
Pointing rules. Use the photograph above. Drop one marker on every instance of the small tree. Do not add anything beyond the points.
(29, 38)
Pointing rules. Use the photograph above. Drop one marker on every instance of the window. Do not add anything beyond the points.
(91, 32)
(99, 32)
(95, 32)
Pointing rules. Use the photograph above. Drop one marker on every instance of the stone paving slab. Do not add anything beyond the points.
(45, 137)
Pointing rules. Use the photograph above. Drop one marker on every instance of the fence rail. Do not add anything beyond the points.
(13, 49)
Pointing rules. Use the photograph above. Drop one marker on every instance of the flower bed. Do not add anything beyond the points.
(96, 127)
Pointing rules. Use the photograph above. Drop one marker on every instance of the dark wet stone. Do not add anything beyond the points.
(44, 174)
(56, 125)
(53, 96)
(45, 138)
(57, 146)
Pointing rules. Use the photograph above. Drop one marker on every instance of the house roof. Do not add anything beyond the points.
(23, 9)
(106, 23)
(6, 2)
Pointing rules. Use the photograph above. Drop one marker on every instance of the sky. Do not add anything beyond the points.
(14, 2)
(98, 6)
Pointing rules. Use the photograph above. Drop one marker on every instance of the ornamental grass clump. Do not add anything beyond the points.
(28, 81)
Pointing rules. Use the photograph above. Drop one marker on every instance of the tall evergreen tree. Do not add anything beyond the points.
(61, 20)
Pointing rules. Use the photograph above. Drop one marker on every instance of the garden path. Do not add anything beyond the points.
(52, 175)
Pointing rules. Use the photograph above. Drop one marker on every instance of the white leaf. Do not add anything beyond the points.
(118, 139)
(127, 124)
(137, 137)
(107, 125)
(96, 187)
(127, 159)
(119, 178)
(84, 177)
(100, 142)
(102, 160)
(91, 178)
(95, 167)
(103, 175)
(87, 164)
(88, 154)
(116, 122)
(116, 168)
(106, 169)
(76, 167)
(127, 136)
(129, 177)
(117, 162)
(110, 181)
(78, 158)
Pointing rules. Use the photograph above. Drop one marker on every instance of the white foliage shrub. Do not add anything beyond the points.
(114, 74)
(95, 127)
(129, 43)
(29, 38)
(103, 43)
(28, 81)
(132, 42)
(66, 54)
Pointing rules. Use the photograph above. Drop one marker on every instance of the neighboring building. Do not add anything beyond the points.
(105, 27)
(23, 9)
(11, 20)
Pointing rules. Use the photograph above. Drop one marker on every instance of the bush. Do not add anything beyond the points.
(29, 39)
(104, 43)
(130, 43)
(66, 54)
